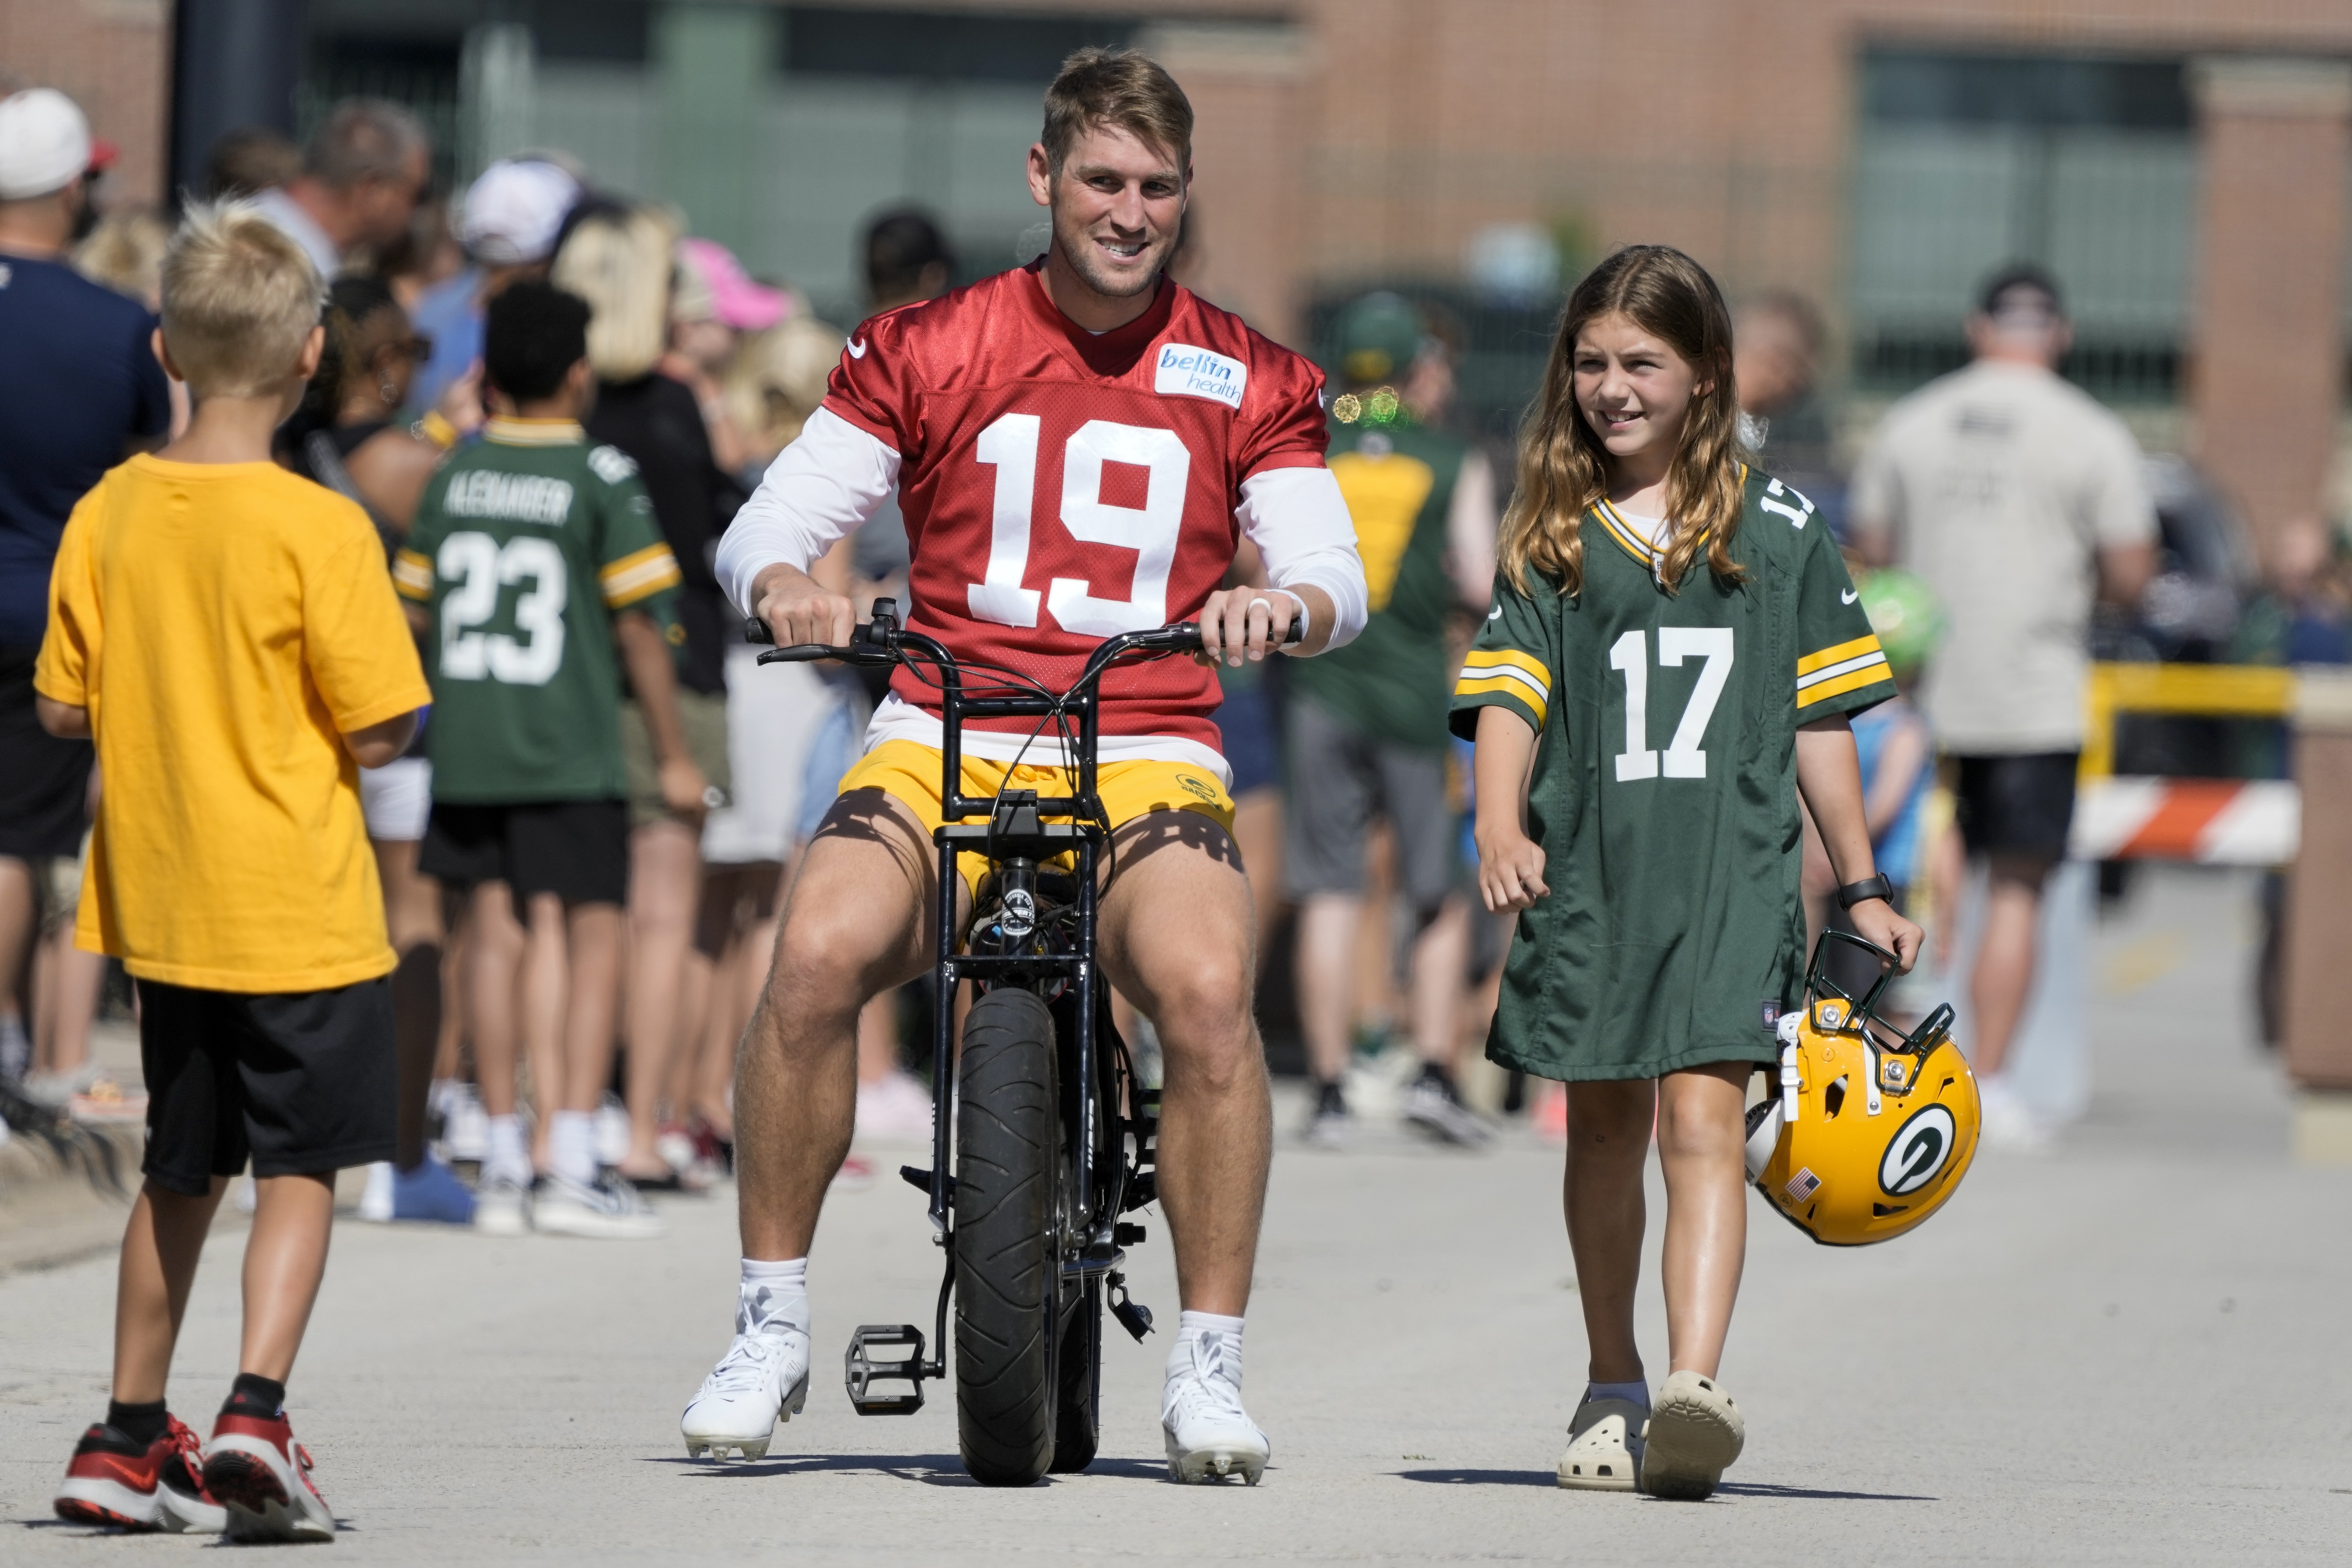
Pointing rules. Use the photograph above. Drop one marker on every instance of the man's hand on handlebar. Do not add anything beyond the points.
(797, 608)
(1245, 622)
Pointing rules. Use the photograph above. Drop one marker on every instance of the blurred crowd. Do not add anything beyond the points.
(703, 374)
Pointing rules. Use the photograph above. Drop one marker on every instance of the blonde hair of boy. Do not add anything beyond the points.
(620, 262)
(1564, 467)
(239, 300)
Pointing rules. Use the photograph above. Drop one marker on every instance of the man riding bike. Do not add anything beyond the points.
(1078, 446)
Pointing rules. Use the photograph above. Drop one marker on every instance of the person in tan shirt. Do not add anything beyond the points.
(226, 634)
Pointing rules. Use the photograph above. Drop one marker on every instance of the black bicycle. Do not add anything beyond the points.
(1053, 1138)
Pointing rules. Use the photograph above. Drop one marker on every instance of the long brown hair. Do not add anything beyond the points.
(1563, 466)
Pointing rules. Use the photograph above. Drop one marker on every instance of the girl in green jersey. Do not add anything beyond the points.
(1668, 665)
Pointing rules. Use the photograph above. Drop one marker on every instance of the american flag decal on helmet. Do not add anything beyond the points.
(1803, 1186)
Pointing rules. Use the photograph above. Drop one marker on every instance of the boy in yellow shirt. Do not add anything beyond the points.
(226, 634)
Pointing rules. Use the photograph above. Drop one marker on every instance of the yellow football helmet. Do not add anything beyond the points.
(1872, 1129)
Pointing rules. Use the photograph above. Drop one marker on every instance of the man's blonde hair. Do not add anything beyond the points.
(1124, 89)
(239, 300)
(620, 262)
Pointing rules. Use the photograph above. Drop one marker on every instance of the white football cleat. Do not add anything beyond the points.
(1209, 1434)
(762, 1379)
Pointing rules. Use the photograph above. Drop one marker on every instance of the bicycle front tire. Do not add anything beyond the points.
(1008, 1160)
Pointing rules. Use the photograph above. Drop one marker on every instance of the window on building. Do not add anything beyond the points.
(1965, 161)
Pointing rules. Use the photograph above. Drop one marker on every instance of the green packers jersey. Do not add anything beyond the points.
(1389, 683)
(1665, 788)
(526, 544)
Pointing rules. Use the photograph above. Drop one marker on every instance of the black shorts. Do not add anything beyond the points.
(43, 781)
(302, 1081)
(2021, 805)
(576, 849)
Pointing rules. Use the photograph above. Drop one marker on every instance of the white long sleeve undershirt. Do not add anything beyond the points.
(835, 476)
(825, 484)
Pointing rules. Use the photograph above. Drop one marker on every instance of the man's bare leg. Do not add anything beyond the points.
(1176, 935)
(1327, 979)
(2004, 973)
(855, 923)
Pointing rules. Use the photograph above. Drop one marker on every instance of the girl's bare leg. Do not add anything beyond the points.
(1608, 1144)
(1702, 1137)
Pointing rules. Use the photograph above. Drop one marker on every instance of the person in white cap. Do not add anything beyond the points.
(509, 223)
(79, 390)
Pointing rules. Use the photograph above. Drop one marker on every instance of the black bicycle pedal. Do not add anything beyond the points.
(1132, 1315)
(861, 1371)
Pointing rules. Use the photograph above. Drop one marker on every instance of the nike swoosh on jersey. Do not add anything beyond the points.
(1848, 595)
(856, 350)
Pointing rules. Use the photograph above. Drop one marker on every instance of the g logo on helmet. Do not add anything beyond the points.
(1918, 1151)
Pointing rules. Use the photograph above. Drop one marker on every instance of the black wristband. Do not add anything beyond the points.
(1873, 886)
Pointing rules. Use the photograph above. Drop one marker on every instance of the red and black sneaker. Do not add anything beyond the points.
(262, 1476)
(113, 1480)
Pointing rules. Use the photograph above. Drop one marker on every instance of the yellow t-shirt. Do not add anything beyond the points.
(225, 624)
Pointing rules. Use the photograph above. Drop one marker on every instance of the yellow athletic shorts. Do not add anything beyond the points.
(910, 772)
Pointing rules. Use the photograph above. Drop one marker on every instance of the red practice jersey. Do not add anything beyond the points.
(1061, 486)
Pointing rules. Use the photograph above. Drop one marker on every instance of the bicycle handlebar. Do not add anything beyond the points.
(882, 642)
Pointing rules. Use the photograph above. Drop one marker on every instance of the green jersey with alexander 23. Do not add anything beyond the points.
(526, 544)
(1663, 792)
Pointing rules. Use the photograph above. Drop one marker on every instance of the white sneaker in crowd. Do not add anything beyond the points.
(895, 1110)
(2008, 1123)
(610, 1210)
(502, 1206)
(1432, 1105)
(1200, 1415)
(1329, 1123)
(375, 1199)
(612, 1131)
(762, 1379)
(465, 1127)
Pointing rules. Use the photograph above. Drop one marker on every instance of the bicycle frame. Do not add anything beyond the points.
(1018, 835)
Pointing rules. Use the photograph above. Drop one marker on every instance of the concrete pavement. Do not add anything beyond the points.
(2129, 1350)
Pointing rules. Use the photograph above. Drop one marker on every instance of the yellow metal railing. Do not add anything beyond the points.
(2211, 691)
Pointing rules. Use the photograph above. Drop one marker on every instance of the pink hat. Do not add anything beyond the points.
(733, 298)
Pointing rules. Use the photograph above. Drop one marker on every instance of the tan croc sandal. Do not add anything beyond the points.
(1695, 1432)
(1605, 1445)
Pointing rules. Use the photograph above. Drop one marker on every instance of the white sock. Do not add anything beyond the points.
(1191, 1326)
(572, 1145)
(1636, 1392)
(443, 1094)
(508, 1157)
(774, 1297)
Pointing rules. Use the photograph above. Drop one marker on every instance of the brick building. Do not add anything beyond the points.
(2182, 164)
